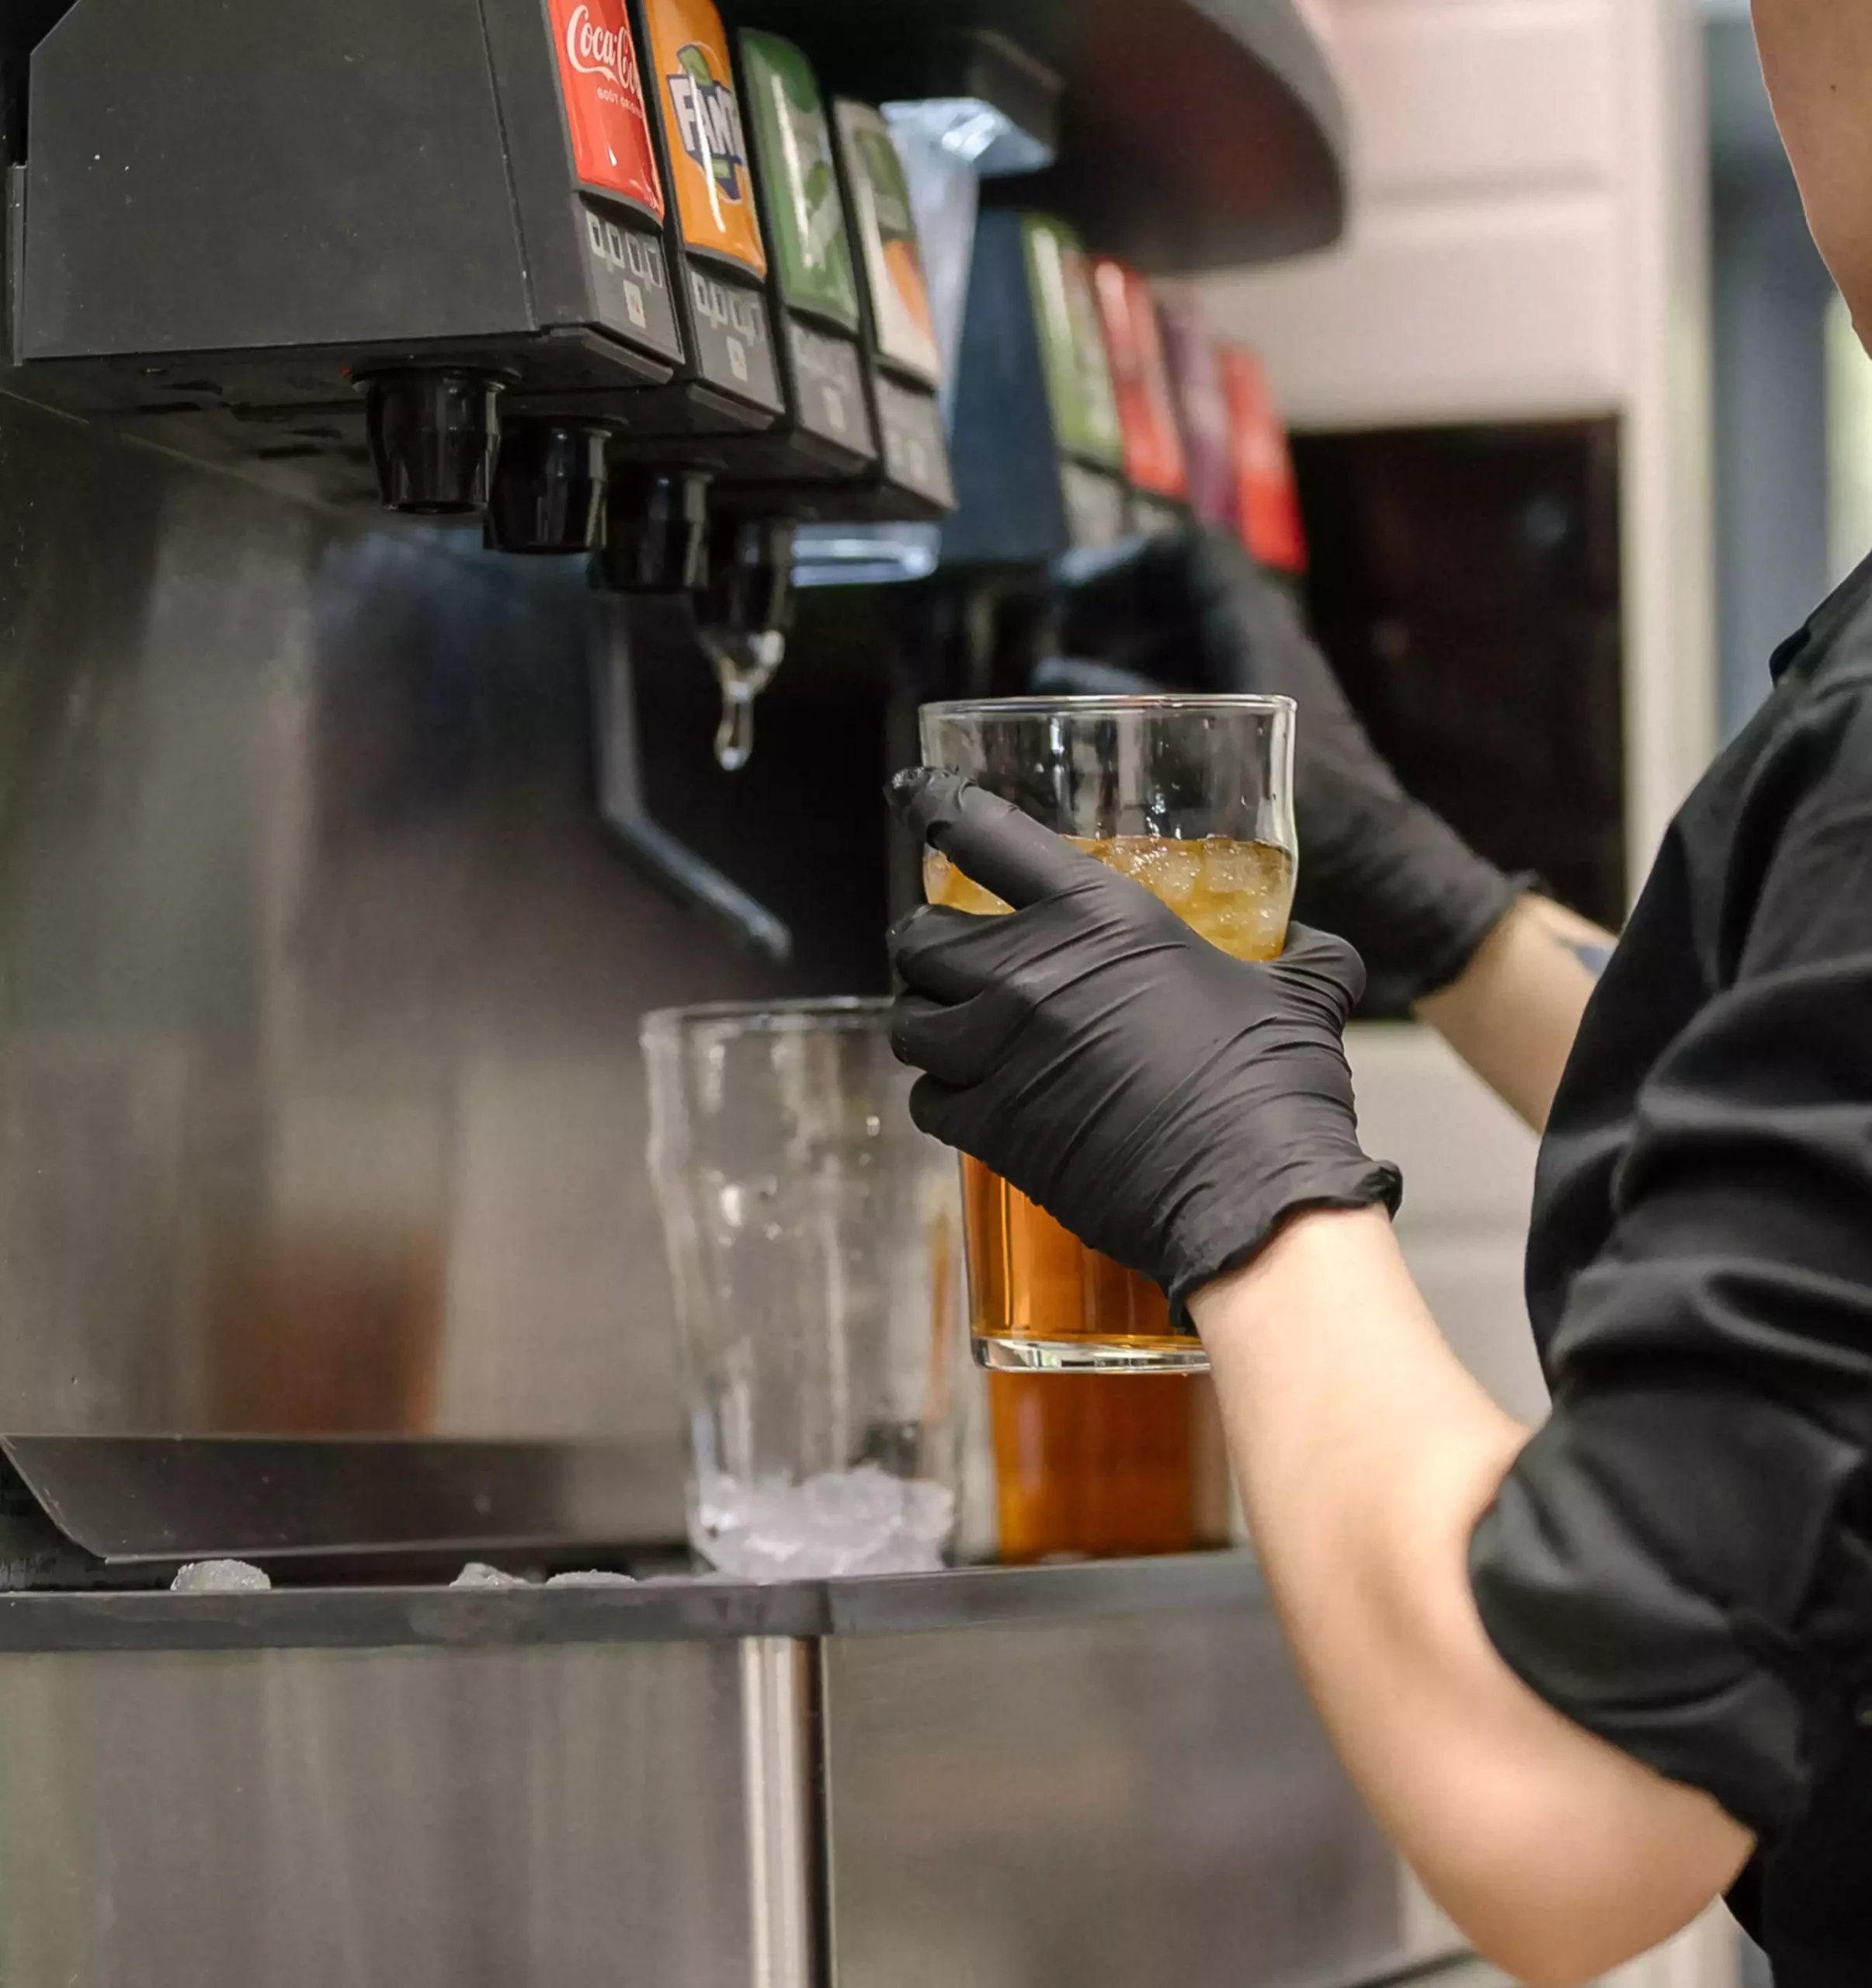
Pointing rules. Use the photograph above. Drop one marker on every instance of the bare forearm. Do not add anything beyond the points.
(1514, 1014)
(1366, 1454)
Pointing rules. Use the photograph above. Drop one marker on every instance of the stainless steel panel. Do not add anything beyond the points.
(555, 1818)
(153, 1501)
(1109, 1802)
(779, 1736)
(1039, 1783)
(320, 1101)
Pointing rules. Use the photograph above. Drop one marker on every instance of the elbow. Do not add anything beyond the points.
(1569, 1936)
(1562, 1962)
(1534, 1975)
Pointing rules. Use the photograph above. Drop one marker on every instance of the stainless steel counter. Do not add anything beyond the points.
(658, 1610)
(1101, 1774)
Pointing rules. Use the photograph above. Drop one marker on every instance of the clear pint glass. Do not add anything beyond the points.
(1192, 797)
(814, 1236)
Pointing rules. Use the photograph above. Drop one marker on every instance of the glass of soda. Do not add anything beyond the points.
(1193, 797)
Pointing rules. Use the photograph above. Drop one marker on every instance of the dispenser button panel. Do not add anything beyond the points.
(631, 283)
(831, 387)
(735, 338)
(915, 453)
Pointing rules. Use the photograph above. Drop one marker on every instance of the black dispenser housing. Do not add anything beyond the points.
(238, 231)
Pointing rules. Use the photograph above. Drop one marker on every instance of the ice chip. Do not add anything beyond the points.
(220, 1577)
(1232, 868)
(929, 1510)
(861, 1521)
(477, 1575)
(594, 1579)
(852, 1500)
(1172, 872)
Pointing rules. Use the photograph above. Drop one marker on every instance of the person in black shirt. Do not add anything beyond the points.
(1594, 1676)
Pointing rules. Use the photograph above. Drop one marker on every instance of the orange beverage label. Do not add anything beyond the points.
(1154, 458)
(1267, 497)
(604, 102)
(708, 152)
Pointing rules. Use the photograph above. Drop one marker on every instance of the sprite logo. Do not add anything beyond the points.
(708, 120)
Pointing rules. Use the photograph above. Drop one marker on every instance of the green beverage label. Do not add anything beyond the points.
(805, 214)
(882, 213)
(1072, 344)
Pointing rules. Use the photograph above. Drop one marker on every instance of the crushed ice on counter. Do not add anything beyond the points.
(853, 1522)
(475, 1574)
(220, 1577)
(594, 1579)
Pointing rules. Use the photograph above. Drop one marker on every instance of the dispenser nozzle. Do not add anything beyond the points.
(656, 533)
(435, 437)
(549, 490)
(743, 667)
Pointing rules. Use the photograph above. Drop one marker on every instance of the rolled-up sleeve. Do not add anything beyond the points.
(1681, 1560)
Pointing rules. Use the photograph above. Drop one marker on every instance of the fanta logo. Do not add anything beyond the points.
(594, 51)
(708, 120)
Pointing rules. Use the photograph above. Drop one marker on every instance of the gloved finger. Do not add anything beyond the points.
(940, 1041)
(952, 956)
(929, 953)
(936, 1108)
(959, 1043)
(988, 839)
(1324, 967)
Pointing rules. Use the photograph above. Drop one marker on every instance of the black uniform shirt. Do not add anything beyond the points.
(1681, 1560)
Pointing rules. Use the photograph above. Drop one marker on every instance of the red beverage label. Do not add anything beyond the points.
(1154, 458)
(1267, 497)
(604, 102)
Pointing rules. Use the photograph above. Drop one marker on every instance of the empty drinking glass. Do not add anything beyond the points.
(815, 1242)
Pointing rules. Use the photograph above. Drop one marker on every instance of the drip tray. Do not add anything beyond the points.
(97, 1510)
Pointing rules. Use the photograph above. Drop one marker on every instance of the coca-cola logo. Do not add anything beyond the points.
(594, 50)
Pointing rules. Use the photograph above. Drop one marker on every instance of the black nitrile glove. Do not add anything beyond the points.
(1192, 611)
(1169, 1105)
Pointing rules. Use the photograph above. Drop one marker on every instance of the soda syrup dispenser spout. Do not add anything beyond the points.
(660, 540)
(745, 666)
(435, 438)
(549, 488)
(744, 614)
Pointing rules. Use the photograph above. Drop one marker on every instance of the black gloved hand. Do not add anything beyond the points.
(1192, 611)
(1169, 1105)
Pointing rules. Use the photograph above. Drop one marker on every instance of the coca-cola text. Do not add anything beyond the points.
(596, 50)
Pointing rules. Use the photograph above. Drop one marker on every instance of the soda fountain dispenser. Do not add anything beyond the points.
(1267, 494)
(789, 314)
(447, 225)
(1039, 450)
(523, 264)
(1202, 403)
(1154, 462)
